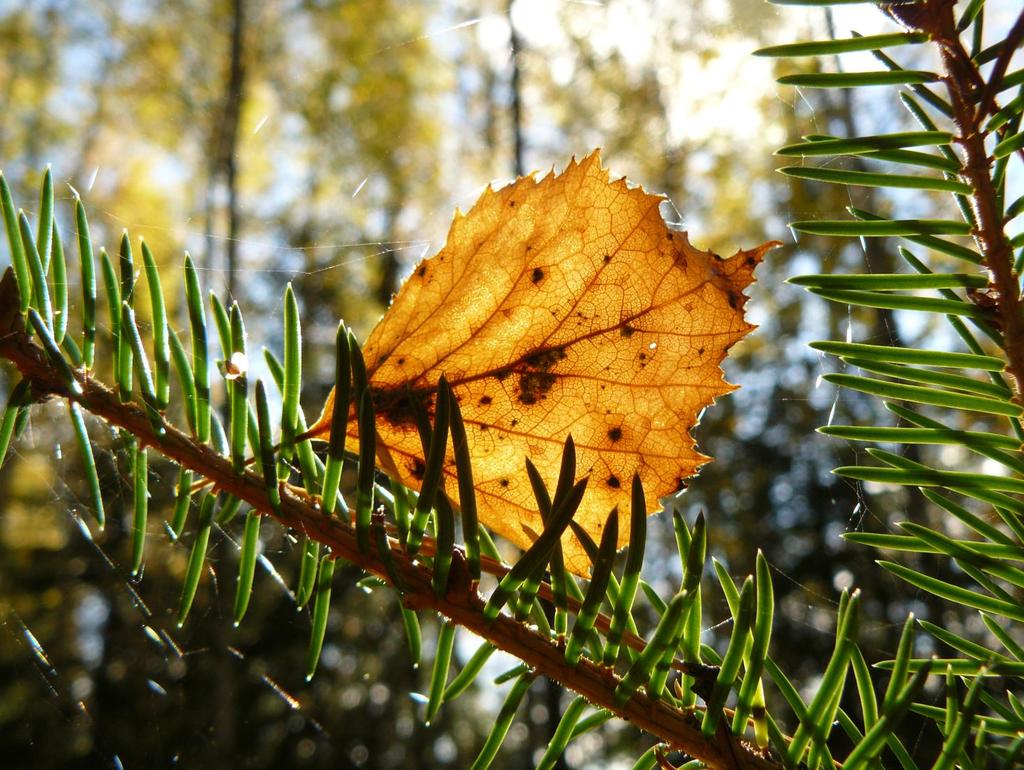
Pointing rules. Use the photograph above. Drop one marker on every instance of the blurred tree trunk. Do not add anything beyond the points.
(225, 171)
(224, 151)
(225, 692)
(390, 265)
(516, 93)
(232, 114)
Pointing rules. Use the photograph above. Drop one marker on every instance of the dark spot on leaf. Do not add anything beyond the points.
(399, 405)
(615, 434)
(642, 356)
(529, 248)
(485, 400)
(538, 275)
(501, 374)
(700, 351)
(401, 361)
(734, 300)
(534, 386)
(613, 482)
(627, 331)
(537, 380)
(607, 258)
(504, 482)
(514, 422)
(484, 426)
(382, 358)
(422, 271)
(544, 359)
(512, 204)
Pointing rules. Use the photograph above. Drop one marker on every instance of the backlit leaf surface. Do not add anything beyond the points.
(559, 306)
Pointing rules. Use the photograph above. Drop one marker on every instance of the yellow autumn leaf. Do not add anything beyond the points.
(556, 307)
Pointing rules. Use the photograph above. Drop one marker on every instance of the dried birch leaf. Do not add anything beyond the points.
(560, 306)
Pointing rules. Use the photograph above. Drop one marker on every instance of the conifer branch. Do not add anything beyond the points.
(461, 603)
(969, 103)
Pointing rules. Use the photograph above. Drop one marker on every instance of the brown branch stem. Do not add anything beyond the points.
(462, 603)
(498, 569)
